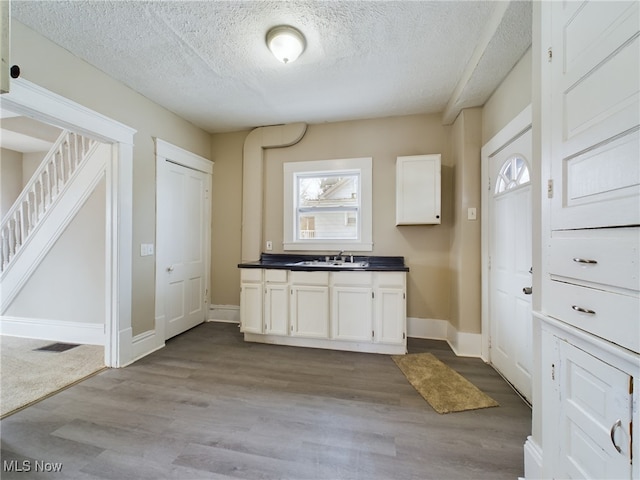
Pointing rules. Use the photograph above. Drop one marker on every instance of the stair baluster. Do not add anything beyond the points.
(46, 184)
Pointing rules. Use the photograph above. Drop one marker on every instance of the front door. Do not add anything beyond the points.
(186, 197)
(510, 275)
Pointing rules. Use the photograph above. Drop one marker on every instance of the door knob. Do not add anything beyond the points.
(170, 269)
(527, 290)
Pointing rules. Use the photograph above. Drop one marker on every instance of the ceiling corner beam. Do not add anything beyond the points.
(456, 101)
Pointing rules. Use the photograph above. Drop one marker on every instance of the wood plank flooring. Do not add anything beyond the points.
(210, 406)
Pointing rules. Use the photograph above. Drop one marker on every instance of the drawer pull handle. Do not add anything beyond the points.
(585, 260)
(583, 310)
(612, 433)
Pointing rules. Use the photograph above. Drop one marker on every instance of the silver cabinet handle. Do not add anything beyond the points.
(585, 260)
(612, 432)
(583, 310)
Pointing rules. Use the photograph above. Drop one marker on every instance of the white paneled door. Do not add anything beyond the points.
(510, 278)
(183, 239)
(185, 300)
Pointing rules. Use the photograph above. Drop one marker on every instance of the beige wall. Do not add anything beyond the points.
(57, 70)
(10, 179)
(509, 99)
(69, 284)
(465, 236)
(226, 217)
(425, 248)
(30, 163)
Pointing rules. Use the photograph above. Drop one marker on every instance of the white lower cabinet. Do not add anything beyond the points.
(390, 308)
(276, 302)
(251, 301)
(390, 316)
(361, 311)
(309, 304)
(589, 406)
(352, 306)
(309, 311)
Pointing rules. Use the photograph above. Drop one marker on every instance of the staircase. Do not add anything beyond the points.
(43, 195)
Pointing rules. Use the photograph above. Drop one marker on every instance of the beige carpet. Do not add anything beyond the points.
(445, 389)
(27, 376)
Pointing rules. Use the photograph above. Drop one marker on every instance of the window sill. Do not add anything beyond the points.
(329, 246)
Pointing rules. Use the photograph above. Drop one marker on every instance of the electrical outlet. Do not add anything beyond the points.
(269, 245)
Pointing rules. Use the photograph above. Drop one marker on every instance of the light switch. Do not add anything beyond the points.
(146, 249)
(471, 214)
(269, 245)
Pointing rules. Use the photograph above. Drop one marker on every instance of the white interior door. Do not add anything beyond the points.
(185, 294)
(183, 239)
(510, 346)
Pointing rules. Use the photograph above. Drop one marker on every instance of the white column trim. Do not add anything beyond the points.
(34, 101)
(253, 180)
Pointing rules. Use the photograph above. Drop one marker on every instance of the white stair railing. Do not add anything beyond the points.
(37, 197)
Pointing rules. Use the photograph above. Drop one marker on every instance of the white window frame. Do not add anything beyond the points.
(362, 166)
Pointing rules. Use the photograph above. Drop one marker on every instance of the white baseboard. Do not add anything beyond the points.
(427, 328)
(462, 343)
(54, 330)
(532, 460)
(143, 344)
(224, 313)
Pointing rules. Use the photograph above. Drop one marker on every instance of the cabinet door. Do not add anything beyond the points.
(390, 315)
(276, 309)
(595, 114)
(418, 189)
(310, 311)
(251, 307)
(352, 313)
(595, 417)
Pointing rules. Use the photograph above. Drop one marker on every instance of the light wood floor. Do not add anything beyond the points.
(210, 406)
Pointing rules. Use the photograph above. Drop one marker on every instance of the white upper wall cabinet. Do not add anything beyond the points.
(418, 189)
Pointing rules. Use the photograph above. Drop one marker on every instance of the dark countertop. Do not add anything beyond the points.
(286, 262)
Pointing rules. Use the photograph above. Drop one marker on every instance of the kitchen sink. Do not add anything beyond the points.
(330, 264)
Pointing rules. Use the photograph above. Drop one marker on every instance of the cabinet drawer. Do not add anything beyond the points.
(352, 278)
(310, 278)
(271, 275)
(611, 316)
(251, 275)
(390, 279)
(604, 256)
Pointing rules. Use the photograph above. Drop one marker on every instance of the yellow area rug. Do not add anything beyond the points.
(28, 375)
(445, 389)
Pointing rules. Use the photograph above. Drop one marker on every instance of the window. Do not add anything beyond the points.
(513, 173)
(327, 205)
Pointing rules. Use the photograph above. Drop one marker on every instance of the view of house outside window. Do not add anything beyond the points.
(327, 207)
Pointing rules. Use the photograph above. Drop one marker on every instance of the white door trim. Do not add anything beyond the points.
(36, 102)
(514, 128)
(166, 152)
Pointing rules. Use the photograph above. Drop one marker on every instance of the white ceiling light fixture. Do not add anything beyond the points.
(286, 43)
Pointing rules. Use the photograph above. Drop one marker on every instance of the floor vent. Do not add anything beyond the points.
(57, 347)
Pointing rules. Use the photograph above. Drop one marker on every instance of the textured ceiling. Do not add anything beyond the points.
(207, 61)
